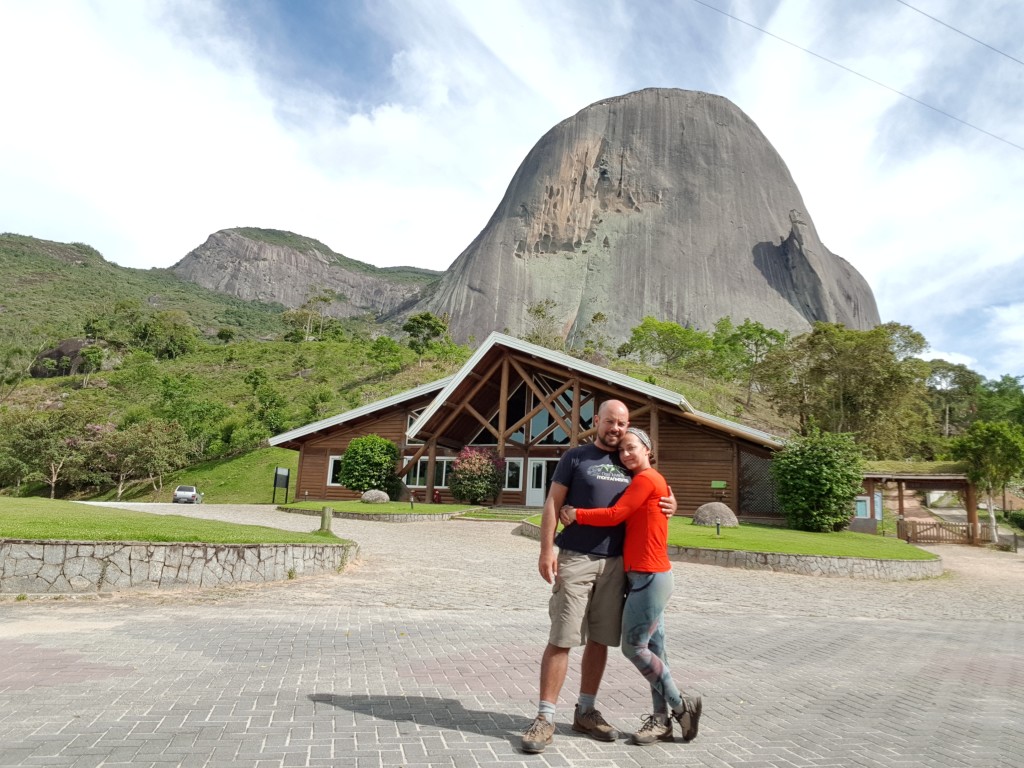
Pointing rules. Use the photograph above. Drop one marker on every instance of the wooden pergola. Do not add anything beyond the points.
(927, 482)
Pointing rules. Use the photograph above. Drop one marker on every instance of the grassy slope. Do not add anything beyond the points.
(247, 479)
(49, 289)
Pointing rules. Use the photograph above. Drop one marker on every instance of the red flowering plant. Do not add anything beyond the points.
(477, 475)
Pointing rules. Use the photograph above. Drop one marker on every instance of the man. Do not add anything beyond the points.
(589, 583)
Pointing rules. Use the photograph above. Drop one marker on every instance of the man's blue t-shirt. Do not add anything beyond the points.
(595, 478)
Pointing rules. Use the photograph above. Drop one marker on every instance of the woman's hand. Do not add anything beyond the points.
(567, 515)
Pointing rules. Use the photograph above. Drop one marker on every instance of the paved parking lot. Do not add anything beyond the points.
(425, 653)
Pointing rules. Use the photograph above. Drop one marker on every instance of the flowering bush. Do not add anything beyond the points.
(477, 475)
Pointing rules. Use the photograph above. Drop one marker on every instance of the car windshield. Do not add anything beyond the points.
(186, 488)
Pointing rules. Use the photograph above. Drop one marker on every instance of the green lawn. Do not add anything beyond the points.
(33, 518)
(66, 520)
(768, 538)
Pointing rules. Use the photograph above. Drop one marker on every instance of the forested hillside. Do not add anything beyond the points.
(166, 374)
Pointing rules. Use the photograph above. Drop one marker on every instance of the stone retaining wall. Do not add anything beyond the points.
(74, 567)
(808, 565)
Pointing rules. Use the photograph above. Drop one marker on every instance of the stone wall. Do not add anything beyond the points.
(809, 565)
(74, 567)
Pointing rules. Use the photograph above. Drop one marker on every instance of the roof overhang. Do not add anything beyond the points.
(292, 438)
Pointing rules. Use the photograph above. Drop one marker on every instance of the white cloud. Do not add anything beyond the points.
(141, 128)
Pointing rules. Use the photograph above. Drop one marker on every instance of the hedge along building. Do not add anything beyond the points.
(530, 404)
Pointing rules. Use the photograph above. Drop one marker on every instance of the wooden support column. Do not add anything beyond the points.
(654, 429)
(431, 461)
(971, 500)
(899, 491)
(574, 435)
(503, 408)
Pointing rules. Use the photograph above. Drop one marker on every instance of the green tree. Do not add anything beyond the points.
(817, 477)
(868, 383)
(386, 355)
(54, 446)
(92, 361)
(170, 333)
(318, 401)
(13, 467)
(667, 343)
(118, 456)
(15, 362)
(994, 455)
(477, 475)
(545, 330)
(181, 400)
(953, 389)
(369, 463)
(1002, 399)
(757, 341)
(270, 408)
(425, 330)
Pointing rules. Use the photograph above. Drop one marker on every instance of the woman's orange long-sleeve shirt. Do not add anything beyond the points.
(646, 547)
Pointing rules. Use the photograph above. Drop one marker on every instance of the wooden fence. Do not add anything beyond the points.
(940, 532)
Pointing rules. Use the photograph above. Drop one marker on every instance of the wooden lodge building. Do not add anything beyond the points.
(530, 404)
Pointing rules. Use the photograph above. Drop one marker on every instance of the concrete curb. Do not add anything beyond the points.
(805, 565)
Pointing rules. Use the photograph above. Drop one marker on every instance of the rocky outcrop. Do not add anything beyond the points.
(270, 266)
(663, 203)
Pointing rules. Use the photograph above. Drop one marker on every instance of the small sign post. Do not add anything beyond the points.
(281, 481)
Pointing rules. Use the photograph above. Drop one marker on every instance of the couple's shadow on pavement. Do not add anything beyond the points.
(448, 714)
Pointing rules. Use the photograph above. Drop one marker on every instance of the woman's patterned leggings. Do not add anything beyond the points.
(643, 635)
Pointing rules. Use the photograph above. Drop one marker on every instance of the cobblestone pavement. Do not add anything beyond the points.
(426, 653)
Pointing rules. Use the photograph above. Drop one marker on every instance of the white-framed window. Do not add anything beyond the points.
(334, 470)
(417, 476)
(413, 415)
(513, 474)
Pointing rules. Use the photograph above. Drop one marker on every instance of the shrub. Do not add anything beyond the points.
(369, 463)
(817, 478)
(1017, 518)
(477, 475)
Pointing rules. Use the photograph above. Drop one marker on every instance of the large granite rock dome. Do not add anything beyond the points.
(662, 202)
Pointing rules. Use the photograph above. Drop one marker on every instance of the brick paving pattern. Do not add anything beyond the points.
(426, 653)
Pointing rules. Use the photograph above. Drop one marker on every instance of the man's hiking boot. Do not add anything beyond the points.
(538, 735)
(689, 718)
(653, 730)
(593, 724)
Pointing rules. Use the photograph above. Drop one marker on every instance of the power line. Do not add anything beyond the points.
(960, 32)
(862, 76)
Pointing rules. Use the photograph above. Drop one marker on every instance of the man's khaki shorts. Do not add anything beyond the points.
(586, 600)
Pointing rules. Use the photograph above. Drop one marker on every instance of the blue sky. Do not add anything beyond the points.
(390, 130)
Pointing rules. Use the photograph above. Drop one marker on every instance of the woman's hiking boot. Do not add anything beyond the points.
(655, 728)
(689, 718)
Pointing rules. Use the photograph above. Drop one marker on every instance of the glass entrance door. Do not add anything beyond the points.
(538, 480)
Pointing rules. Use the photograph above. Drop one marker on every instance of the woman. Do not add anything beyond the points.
(649, 575)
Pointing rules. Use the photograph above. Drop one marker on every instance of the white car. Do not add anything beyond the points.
(187, 494)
